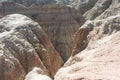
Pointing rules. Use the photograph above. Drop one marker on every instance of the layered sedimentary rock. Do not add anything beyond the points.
(95, 46)
(23, 46)
(60, 23)
(101, 59)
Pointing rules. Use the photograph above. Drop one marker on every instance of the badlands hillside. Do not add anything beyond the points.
(59, 39)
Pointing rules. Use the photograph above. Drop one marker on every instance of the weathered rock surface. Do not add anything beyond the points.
(30, 2)
(81, 5)
(36, 74)
(101, 59)
(23, 46)
(99, 8)
(81, 37)
(60, 23)
(114, 9)
(91, 9)
(103, 9)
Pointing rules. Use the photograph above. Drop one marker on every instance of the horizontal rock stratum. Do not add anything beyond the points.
(23, 46)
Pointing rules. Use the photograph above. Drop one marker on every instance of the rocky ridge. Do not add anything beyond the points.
(96, 50)
(60, 24)
(24, 45)
(96, 43)
(100, 55)
(58, 21)
(96, 9)
(99, 63)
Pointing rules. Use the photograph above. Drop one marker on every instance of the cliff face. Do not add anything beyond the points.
(80, 5)
(103, 9)
(60, 23)
(98, 9)
(24, 45)
(100, 59)
(96, 52)
(91, 9)
(93, 46)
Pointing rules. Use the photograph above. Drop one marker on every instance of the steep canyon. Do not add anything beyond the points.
(63, 40)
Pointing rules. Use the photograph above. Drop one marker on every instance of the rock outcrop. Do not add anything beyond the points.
(100, 59)
(92, 9)
(114, 9)
(23, 46)
(81, 37)
(81, 5)
(36, 74)
(60, 23)
(103, 9)
(98, 9)
(30, 53)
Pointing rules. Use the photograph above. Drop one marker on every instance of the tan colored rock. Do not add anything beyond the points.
(100, 59)
(93, 30)
(99, 63)
(60, 23)
(81, 37)
(10, 67)
(25, 45)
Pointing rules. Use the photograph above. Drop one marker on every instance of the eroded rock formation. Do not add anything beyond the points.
(60, 23)
(100, 7)
(91, 9)
(103, 9)
(100, 59)
(23, 46)
(36, 74)
(96, 43)
(81, 5)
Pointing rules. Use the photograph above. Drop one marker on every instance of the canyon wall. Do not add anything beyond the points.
(59, 22)
(100, 59)
(92, 45)
(92, 9)
(96, 52)
(23, 46)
